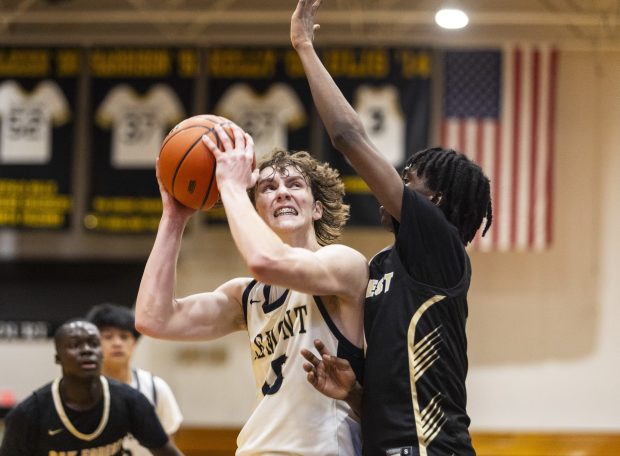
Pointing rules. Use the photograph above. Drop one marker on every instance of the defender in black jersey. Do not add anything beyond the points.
(82, 412)
(414, 398)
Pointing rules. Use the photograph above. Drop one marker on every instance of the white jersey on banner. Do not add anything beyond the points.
(27, 121)
(380, 112)
(291, 417)
(160, 395)
(139, 123)
(267, 117)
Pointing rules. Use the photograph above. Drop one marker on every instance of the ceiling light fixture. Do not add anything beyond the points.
(450, 18)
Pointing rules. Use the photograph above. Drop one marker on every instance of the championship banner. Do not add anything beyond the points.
(138, 95)
(391, 91)
(265, 92)
(38, 89)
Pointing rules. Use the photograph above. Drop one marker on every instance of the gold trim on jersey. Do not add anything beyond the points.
(65, 419)
(422, 355)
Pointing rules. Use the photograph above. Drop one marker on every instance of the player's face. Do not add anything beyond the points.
(284, 200)
(117, 346)
(414, 182)
(79, 350)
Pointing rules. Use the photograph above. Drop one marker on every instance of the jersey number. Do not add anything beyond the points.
(276, 366)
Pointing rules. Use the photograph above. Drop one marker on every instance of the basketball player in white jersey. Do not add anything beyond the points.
(302, 288)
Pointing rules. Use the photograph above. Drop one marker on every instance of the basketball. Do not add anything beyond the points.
(187, 166)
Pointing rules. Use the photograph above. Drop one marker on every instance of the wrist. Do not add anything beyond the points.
(304, 46)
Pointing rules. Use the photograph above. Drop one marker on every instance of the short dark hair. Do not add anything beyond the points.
(465, 190)
(63, 328)
(108, 315)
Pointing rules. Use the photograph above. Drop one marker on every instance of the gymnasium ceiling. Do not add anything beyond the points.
(579, 23)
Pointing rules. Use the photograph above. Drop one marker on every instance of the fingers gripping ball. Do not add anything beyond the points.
(187, 166)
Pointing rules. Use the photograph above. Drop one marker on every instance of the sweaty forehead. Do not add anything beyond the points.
(80, 329)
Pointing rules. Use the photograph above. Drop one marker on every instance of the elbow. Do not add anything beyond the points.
(347, 136)
(146, 325)
(263, 268)
(144, 328)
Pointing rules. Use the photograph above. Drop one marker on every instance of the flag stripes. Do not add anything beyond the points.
(513, 142)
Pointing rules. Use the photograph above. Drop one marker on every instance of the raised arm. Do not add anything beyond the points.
(333, 270)
(197, 317)
(343, 124)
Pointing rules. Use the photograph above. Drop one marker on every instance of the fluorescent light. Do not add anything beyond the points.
(451, 18)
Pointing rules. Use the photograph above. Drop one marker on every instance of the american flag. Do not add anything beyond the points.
(499, 110)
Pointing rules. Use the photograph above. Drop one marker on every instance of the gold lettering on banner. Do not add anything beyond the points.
(25, 62)
(367, 63)
(124, 214)
(130, 62)
(187, 62)
(414, 63)
(355, 185)
(242, 63)
(67, 62)
(32, 204)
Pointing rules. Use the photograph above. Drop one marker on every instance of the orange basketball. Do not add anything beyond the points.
(187, 166)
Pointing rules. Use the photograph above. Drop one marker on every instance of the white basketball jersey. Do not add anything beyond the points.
(139, 123)
(27, 120)
(290, 417)
(266, 117)
(380, 112)
(160, 395)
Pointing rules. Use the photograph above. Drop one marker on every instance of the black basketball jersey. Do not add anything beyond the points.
(416, 361)
(35, 426)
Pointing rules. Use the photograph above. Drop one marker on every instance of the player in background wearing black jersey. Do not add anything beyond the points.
(414, 399)
(82, 412)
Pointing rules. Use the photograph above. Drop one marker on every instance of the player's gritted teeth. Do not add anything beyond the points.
(285, 211)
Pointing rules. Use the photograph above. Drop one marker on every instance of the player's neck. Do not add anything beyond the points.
(304, 240)
(80, 393)
(119, 373)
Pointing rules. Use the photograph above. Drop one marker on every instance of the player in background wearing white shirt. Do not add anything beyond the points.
(119, 338)
(302, 287)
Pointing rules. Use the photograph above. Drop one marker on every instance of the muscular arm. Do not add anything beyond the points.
(343, 124)
(201, 316)
(333, 270)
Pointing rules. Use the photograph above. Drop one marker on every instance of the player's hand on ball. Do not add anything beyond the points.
(234, 157)
(169, 204)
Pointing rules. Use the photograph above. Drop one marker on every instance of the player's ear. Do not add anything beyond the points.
(317, 210)
(56, 359)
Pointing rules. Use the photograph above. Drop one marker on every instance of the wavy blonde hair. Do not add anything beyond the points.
(325, 185)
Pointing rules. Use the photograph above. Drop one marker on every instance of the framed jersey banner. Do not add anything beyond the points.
(265, 92)
(38, 89)
(391, 91)
(138, 95)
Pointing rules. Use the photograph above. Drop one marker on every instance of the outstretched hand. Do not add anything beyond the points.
(330, 375)
(302, 22)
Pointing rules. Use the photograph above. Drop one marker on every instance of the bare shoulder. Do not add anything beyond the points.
(345, 262)
(234, 288)
(338, 250)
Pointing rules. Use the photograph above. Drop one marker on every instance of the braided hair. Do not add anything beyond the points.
(464, 189)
